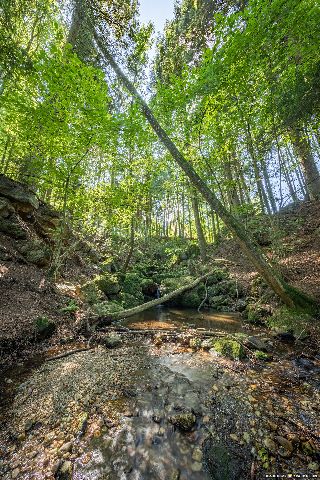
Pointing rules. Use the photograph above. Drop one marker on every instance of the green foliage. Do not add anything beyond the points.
(106, 308)
(71, 307)
(41, 323)
(44, 328)
(259, 355)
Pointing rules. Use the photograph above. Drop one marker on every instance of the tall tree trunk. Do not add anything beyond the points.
(201, 238)
(268, 186)
(288, 294)
(303, 151)
(131, 248)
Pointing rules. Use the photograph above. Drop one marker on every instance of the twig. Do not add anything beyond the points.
(67, 354)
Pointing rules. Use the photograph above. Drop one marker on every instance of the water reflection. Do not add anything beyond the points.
(174, 318)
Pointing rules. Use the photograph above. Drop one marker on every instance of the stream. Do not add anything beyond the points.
(152, 408)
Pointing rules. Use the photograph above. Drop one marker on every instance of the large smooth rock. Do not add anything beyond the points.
(23, 198)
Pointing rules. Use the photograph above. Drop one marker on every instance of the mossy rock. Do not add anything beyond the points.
(259, 355)
(218, 301)
(103, 309)
(289, 320)
(183, 421)
(190, 299)
(195, 343)
(108, 284)
(216, 277)
(35, 252)
(132, 284)
(11, 227)
(221, 463)
(229, 348)
(131, 301)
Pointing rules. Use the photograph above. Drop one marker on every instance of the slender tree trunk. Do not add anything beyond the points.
(268, 186)
(303, 151)
(288, 295)
(131, 248)
(201, 238)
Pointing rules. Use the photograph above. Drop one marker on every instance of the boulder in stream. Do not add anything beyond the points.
(183, 421)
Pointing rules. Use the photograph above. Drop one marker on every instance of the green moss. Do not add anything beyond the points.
(108, 284)
(291, 320)
(106, 308)
(229, 348)
(195, 343)
(261, 355)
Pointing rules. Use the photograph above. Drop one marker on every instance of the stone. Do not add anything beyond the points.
(286, 444)
(66, 447)
(5, 208)
(175, 475)
(286, 337)
(196, 467)
(246, 437)
(256, 343)
(64, 471)
(197, 455)
(270, 444)
(13, 228)
(15, 473)
(183, 421)
(36, 252)
(112, 341)
(234, 437)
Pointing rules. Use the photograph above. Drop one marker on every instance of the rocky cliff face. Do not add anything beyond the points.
(26, 224)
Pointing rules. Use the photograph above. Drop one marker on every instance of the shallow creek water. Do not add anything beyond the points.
(131, 431)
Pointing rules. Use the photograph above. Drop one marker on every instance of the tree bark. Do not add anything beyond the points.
(201, 238)
(303, 151)
(287, 294)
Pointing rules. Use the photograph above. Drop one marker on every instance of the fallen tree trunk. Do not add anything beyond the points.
(153, 303)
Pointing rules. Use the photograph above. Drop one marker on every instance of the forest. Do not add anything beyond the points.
(159, 240)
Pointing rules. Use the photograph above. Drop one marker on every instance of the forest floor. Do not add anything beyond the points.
(291, 240)
(62, 417)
